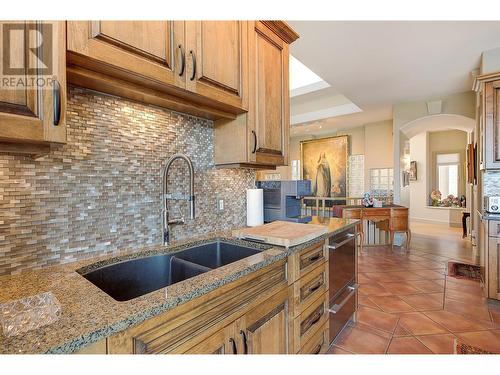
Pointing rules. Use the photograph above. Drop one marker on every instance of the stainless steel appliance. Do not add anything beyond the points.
(282, 200)
(342, 279)
(492, 204)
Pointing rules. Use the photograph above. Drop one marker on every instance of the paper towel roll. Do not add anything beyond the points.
(255, 207)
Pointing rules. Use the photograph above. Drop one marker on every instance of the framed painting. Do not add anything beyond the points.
(413, 171)
(324, 162)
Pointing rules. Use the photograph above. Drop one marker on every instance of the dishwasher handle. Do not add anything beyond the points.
(335, 246)
(338, 306)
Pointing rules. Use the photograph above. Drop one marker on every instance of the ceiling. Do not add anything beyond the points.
(376, 64)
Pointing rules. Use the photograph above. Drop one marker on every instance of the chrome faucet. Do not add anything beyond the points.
(166, 197)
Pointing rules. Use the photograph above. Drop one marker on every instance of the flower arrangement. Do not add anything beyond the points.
(449, 201)
(435, 197)
(368, 200)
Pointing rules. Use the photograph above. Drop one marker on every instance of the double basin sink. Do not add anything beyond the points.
(133, 278)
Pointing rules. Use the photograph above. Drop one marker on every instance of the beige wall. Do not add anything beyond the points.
(422, 148)
(374, 140)
(462, 104)
(378, 147)
(490, 61)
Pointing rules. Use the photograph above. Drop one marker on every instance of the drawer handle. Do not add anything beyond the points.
(318, 349)
(193, 57)
(233, 344)
(56, 102)
(337, 307)
(245, 345)
(183, 60)
(335, 246)
(314, 258)
(315, 287)
(316, 319)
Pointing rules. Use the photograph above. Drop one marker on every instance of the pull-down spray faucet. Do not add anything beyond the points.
(166, 197)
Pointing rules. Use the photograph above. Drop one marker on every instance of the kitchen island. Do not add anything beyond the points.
(175, 319)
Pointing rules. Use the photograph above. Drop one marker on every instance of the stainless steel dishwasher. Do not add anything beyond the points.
(342, 279)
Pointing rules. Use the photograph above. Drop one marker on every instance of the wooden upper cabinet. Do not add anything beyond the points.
(491, 118)
(260, 138)
(152, 50)
(33, 88)
(217, 60)
(271, 95)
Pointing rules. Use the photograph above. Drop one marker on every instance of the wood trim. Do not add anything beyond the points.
(493, 268)
(303, 328)
(307, 289)
(298, 265)
(283, 30)
(318, 344)
(183, 327)
(114, 86)
(98, 347)
(33, 149)
(483, 78)
(96, 33)
(246, 165)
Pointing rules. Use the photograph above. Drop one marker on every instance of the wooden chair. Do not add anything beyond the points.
(399, 223)
(356, 213)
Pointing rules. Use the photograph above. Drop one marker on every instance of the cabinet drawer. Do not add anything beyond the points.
(306, 260)
(318, 344)
(342, 310)
(308, 289)
(494, 228)
(309, 322)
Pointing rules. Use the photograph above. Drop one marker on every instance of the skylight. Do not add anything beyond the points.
(303, 80)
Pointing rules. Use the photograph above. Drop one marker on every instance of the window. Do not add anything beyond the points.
(382, 182)
(447, 174)
(356, 166)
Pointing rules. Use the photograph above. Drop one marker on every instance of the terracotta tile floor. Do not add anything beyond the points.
(408, 305)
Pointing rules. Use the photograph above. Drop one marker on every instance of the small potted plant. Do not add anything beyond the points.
(435, 198)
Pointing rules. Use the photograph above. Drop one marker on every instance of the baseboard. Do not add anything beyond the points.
(432, 221)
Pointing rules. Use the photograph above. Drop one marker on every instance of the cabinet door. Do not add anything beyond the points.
(492, 124)
(264, 330)
(268, 133)
(493, 268)
(218, 61)
(33, 73)
(152, 50)
(221, 342)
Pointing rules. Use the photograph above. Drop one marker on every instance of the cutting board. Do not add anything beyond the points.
(281, 233)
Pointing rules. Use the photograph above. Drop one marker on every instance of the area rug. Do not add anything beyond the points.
(463, 348)
(464, 270)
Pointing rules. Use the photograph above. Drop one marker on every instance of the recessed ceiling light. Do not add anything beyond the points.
(303, 80)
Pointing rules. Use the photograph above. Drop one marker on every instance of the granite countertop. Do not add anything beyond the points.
(88, 314)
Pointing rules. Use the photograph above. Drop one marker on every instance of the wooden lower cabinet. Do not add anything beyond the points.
(221, 342)
(318, 344)
(264, 330)
(251, 307)
(303, 328)
(493, 268)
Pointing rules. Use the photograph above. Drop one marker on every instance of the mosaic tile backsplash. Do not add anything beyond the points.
(101, 191)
